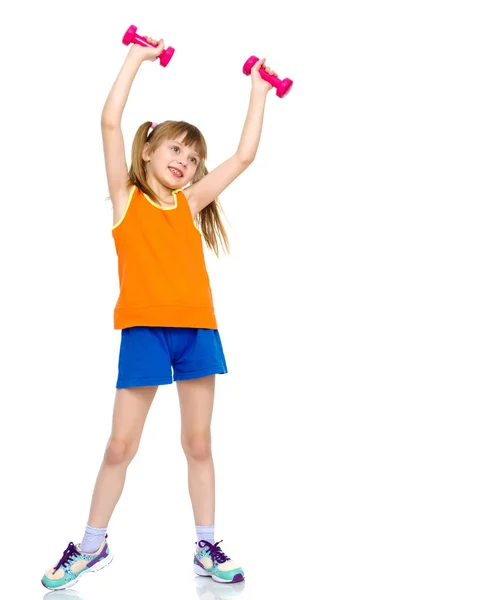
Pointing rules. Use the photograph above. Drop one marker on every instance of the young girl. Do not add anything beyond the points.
(165, 309)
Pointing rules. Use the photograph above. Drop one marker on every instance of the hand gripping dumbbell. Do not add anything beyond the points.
(131, 36)
(283, 86)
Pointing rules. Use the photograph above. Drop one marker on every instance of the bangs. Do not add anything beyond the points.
(178, 129)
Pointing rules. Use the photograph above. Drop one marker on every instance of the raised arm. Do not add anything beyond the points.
(203, 192)
(113, 143)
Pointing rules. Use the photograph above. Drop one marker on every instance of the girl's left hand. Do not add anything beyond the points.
(257, 82)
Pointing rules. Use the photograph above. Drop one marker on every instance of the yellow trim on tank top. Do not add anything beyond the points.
(126, 209)
(174, 192)
(156, 205)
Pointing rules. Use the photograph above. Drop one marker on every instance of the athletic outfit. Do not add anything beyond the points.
(165, 306)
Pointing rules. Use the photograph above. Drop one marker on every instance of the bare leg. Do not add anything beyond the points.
(196, 404)
(129, 415)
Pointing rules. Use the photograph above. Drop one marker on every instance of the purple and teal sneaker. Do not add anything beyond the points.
(74, 563)
(211, 561)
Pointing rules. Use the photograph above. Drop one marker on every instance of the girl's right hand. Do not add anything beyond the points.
(147, 53)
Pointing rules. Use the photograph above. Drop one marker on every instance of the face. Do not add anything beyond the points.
(173, 164)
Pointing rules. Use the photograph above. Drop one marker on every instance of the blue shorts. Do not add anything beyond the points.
(148, 355)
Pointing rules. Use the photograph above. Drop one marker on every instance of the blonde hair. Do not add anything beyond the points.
(207, 220)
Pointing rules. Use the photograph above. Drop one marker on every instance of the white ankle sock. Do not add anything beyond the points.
(92, 539)
(206, 532)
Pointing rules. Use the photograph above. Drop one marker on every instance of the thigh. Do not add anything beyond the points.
(130, 412)
(196, 398)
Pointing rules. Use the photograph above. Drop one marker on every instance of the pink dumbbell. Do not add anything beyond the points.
(131, 36)
(283, 86)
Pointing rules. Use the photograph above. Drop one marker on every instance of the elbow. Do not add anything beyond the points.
(105, 125)
(246, 159)
(109, 122)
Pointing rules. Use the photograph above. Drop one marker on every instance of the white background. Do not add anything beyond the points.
(345, 434)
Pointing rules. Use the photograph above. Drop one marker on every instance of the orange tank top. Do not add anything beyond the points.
(161, 266)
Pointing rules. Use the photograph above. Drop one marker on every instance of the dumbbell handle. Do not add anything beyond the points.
(283, 86)
(272, 79)
(132, 37)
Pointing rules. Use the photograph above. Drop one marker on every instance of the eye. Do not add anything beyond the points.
(193, 160)
(175, 148)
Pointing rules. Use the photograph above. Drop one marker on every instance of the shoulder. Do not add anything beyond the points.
(186, 191)
(121, 204)
(123, 196)
(189, 196)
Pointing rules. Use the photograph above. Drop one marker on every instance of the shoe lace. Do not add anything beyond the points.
(215, 551)
(70, 553)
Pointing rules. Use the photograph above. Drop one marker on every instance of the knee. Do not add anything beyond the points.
(119, 452)
(197, 446)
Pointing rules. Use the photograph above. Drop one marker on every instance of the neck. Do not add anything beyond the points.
(164, 193)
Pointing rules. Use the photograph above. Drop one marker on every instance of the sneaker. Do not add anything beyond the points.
(211, 561)
(74, 563)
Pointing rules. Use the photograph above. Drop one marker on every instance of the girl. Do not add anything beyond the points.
(165, 309)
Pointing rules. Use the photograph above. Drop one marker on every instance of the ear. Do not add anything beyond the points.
(145, 155)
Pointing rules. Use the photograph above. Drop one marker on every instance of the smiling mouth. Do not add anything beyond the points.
(176, 172)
